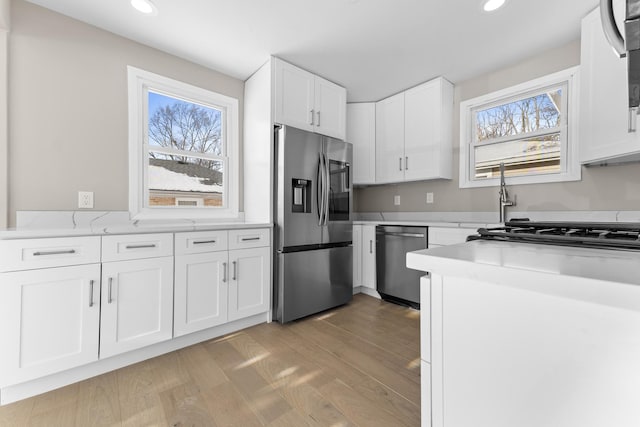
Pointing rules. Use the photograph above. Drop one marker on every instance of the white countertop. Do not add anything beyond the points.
(572, 272)
(132, 228)
(444, 224)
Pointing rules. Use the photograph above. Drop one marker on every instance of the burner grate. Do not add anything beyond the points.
(625, 236)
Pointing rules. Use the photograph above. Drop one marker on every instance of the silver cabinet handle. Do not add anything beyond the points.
(406, 163)
(318, 124)
(91, 293)
(70, 251)
(311, 117)
(110, 298)
(140, 246)
(248, 239)
(204, 242)
(400, 163)
(419, 235)
(224, 272)
(370, 246)
(235, 271)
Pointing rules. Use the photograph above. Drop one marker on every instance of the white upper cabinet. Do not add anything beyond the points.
(428, 121)
(603, 97)
(306, 101)
(361, 132)
(390, 139)
(413, 134)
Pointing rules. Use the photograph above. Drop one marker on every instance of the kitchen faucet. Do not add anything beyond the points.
(504, 196)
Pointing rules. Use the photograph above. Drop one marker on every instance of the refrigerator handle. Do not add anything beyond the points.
(327, 189)
(320, 189)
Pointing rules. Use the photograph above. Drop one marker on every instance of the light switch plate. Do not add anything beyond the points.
(396, 200)
(85, 199)
(429, 198)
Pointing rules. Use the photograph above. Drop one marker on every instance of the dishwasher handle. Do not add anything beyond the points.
(416, 235)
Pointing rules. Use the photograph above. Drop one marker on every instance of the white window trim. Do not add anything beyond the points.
(572, 170)
(139, 82)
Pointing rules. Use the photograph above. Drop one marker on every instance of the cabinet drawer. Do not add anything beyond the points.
(29, 254)
(136, 246)
(449, 236)
(254, 238)
(200, 242)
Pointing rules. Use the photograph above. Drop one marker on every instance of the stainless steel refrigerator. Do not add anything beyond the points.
(313, 237)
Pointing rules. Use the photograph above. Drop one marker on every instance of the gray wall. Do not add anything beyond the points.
(601, 188)
(68, 124)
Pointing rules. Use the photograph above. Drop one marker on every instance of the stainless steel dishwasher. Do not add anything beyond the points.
(396, 282)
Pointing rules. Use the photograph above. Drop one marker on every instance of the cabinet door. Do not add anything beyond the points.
(201, 287)
(48, 322)
(427, 144)
(250, 272)
(137, 304)
(294, 96)
(390, 139)
(330, 108)
(369, 256)
(361, 132)
(603, 95)
(357, 255)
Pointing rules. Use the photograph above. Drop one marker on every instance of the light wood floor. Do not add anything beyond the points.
(357, 365)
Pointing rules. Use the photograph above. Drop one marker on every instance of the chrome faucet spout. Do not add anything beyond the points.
(503, 194)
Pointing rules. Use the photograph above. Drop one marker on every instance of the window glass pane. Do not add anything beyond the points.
(530, 114)
(523, 157)
(184, 125)
(185, 181)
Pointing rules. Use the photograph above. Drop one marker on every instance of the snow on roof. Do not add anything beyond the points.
(164, 179)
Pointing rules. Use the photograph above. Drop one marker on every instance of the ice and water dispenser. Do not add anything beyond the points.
(301, 197)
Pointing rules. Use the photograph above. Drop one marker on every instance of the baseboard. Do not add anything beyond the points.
(367, 291)
(21, 391)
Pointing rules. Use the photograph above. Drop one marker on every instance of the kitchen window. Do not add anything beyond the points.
(183, 149)
(531, 128)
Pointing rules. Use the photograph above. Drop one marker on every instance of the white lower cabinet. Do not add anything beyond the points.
(217, 285)
(364, 258)
(49, 321)
(137, 304)
(200, 292)
(250, 279)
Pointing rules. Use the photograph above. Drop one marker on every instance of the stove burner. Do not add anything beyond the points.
(616, 235)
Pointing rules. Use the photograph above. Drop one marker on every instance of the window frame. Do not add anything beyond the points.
(569, 159)
(139, 84)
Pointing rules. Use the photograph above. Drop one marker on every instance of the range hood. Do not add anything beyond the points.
(627, 45)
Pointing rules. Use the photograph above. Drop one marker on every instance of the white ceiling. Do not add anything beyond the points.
(374, 48)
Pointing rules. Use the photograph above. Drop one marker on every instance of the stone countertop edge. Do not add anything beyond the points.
(444, 224)
(598, 276)
(35, 233)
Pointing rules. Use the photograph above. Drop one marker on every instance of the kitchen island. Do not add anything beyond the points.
(529, 335)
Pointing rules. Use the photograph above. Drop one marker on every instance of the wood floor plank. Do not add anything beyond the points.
(140, 403)
(241, 371)
(392, 375)
(291, 419)
(387, 399)
(228, 408)
(16, 414)
(201, 367)
(60, 416)
(56, 398)
(169, 371)
(186, 406)
(98, 402)
(362, 411)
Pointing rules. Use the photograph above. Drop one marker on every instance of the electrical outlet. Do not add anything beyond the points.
(429, 198)
(396, 200)
(85, 199)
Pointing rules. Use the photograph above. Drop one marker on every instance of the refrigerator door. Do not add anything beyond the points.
(316, 280)
(338, 226)
(296, 210)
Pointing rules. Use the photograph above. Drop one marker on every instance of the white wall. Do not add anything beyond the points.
(68, 128)
(5, 12)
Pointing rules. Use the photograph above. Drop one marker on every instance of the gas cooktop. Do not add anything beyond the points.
(604, 235)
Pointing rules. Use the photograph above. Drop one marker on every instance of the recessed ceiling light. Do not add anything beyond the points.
(144, 6)
(491, 5)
